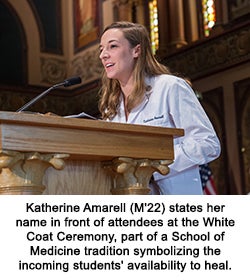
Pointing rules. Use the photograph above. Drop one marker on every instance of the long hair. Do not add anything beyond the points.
(146, 66)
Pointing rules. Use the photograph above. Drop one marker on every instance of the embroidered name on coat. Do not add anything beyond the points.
(154, 118)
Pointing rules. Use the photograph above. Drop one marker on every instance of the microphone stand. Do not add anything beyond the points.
(32, 101)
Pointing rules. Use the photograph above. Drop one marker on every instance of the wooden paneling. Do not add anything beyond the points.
(242, 103)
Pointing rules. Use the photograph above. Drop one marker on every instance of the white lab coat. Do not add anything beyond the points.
(172, 103)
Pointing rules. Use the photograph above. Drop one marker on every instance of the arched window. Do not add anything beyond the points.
(153, 20)
(209, 16)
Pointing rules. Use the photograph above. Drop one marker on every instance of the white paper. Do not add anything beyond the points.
(81, 115)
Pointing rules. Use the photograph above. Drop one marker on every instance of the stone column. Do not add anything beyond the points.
(191, 21)
(164, 28)
(176, 22)
(219, 10)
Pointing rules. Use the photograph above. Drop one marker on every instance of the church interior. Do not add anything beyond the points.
(44, 42)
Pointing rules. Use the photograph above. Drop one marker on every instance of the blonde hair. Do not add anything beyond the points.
(146, 66)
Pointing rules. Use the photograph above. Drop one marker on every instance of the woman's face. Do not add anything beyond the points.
(117, 56)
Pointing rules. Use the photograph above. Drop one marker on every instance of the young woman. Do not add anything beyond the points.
(137, 89)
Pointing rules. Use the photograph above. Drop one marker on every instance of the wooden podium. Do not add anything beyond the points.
(37, 149)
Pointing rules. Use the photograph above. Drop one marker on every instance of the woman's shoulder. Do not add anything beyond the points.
(170, 78)
(166, 79)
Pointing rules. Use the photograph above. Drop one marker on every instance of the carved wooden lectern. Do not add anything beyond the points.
(126, 154)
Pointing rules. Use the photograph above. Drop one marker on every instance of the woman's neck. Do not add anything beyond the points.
(127, 86)
(126, 89)
(125, 96)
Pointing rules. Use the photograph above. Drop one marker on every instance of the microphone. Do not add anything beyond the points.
(72, 81)
(69, 82)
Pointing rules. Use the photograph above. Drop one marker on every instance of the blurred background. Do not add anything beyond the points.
(44, 42)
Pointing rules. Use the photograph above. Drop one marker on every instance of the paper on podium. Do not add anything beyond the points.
(81, 115)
